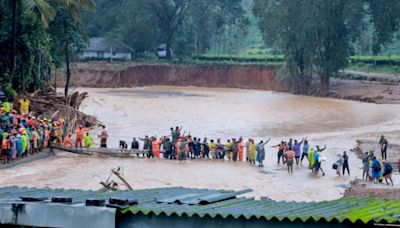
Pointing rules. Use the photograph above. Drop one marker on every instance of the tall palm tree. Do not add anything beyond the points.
(74, 8)
(41, 7)
(46, 13)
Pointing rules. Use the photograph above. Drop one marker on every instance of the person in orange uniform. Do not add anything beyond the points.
(156, 148)
(80, 132)
(46, 136)
(241, 149)
(67, 140)
(6, 149)
(177, 148)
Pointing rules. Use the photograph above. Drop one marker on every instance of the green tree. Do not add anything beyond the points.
(168, 15)
(318, 35)
(67, 30)
(43, 10)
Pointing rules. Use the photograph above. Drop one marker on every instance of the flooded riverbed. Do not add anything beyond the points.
(218, 113)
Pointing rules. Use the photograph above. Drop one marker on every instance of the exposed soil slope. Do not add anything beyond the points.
(259, 77)
(232, 76)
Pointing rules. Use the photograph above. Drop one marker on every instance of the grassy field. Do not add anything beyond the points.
(378, 64)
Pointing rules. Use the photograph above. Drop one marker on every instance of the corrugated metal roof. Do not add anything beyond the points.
(350, 210)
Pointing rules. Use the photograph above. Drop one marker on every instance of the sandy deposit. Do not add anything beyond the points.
(218, 113)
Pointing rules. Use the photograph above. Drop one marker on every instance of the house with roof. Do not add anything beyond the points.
(184, 207)
(104, 48)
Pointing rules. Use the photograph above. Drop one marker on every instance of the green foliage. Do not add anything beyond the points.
(318, 36)
(38, 38)
(188, 26)
(9, 91)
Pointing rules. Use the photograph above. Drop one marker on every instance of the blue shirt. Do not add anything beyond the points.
(306, 147)
(316, 157)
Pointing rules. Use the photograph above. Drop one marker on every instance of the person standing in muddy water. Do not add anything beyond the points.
(281, 148)
(228, 149)
(387, 172)
(306, 147)
(345, 163)
(376, 170)
(134, 144)
(252, 152)
(155, 145)
(168, 149)
(103, 137)
(339, 164)
(240, 149)
(182, 148)
(261, 153)
(318, 161)
(297, 150)
(221, 150)
(234, 149)
(290, 155)
(213, 149)
(205, 149)
(248, 150)
(365, 161)
(146, 144)
(79, 136)
(290, 144)
(384, 145)
(151, 154)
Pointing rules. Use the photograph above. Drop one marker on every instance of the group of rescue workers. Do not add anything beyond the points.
(22, 134)
(179, 146)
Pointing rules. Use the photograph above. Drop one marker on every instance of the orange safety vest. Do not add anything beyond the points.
(67, 141)
(80, 133)
(178, 149)
(156, 148)
(6, 144)
(241, 151)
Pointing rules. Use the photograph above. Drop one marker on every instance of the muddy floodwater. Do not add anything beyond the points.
(218, 113)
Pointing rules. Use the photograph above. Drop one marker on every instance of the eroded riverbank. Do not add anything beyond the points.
(258, 77)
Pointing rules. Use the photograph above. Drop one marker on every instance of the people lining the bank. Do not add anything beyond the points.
(24, 134)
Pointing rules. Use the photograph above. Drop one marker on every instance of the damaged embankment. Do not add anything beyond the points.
(261, 77)
(258, 77)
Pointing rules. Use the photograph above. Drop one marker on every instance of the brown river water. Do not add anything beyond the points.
(218, 113)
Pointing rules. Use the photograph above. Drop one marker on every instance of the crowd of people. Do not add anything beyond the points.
(378, 169)
(22, 134)
(179, 146)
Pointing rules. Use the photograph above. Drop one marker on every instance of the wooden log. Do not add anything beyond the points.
(116, 173)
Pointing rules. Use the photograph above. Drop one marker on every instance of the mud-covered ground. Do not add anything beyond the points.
(361, 188)
(366, 91)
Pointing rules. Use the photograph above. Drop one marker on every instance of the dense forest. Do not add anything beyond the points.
(315, 37)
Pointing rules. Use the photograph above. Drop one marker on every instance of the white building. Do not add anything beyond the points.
(104, 48)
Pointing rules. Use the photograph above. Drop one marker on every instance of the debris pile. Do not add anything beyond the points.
(47, 103)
